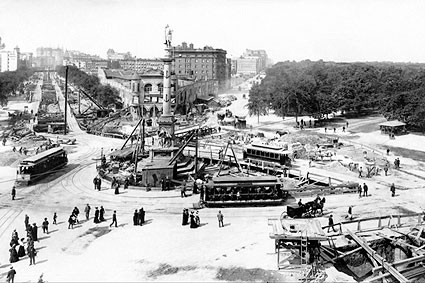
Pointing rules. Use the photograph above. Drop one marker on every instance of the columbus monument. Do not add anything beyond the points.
(166, 120)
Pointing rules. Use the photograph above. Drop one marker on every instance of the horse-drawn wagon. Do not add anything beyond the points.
(307, 210)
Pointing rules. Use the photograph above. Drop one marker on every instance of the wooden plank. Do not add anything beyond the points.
(394, 272)
(407, 260)
(350, 252)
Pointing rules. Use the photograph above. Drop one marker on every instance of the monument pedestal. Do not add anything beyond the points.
(167, 123)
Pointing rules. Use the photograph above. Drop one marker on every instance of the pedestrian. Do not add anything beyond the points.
(192, 220)
(114, 219)
(350, 213)
(343, 129)
(31, 252)
(99, 183)
(34, 232)
(331, 223)
(13, 192)
(346, 124)
(87, 211)
(126, 183)
(392, 189)
(183, 190)
(386, 170)
(21, 249)
(141, 217)
(334, 130)
(360, 172)
(45, 226)
(359, 189)
(185, 220)
(71, 222)
(135, 218)
(388, 151)
(365, 189)
(13, 254)
(300, 203)
(153, 140)
(27, 220)
(10, 278)
(326, 130)
(96, 215)
(55, 216)
(197, 219)
(75, 212)
(101, 214)
(220, 218)
(116, 186)
(95, 183)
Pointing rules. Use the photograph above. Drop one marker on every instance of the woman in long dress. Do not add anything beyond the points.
(21, 249)
(192, 220)
(13, 255)
(185, 220)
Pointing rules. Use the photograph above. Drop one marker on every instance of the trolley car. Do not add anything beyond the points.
(270, 153)
(40, 165)
(229, 190)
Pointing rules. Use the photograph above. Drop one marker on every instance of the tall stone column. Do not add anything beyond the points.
(166, 120)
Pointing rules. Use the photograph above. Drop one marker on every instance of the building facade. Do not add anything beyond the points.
(248, 65)
(115, 56)
(202, 64)
(47, 57)
(141, 65)
(9, 60)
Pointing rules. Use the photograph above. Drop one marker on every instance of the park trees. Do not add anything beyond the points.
(104, 95)
(319, 88)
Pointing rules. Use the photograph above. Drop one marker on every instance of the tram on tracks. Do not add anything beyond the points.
(235, 191)
(275, 154)
(41, 165)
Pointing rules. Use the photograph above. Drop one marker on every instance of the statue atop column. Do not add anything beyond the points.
(168, 36)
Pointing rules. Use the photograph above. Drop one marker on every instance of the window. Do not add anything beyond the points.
(148, 88)
(160, 87)
(196, 61)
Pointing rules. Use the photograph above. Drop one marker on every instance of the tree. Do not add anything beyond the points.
(257, 104)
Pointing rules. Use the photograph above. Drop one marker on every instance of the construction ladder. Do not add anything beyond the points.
(304, 248)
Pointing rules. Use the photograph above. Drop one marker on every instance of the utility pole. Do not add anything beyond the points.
(79, 101)
(196, 153)
(66, 96)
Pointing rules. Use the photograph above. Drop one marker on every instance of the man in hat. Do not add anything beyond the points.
(220, 218)
(331, 223)
(96, 215)
(10, 278)
(114, 219)
(13, 192)
(87, 211)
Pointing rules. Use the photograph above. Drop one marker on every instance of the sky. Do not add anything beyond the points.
(331, 30)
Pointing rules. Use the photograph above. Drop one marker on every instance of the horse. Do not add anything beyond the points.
(313, 206)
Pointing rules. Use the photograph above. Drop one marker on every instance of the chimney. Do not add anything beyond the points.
(191, 46)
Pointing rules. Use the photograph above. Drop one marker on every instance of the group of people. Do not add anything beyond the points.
(194, 221)
(73, 218)
(397, 163)
(97, 182)
(17, 245)
(139, 217)
(363, 190)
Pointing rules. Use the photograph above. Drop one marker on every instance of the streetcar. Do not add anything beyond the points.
(40, 165)
(276, 154)
(234, 190)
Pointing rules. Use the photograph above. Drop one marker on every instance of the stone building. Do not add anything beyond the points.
(202, 64)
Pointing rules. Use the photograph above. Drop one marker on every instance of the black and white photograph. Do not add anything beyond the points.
(212, 141)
